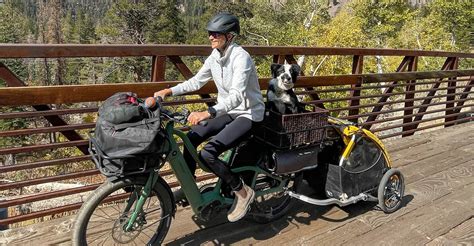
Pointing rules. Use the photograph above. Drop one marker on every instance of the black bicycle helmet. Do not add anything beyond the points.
(224, 23)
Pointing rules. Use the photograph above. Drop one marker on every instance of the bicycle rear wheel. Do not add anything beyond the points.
(103, 218)
(272, 206)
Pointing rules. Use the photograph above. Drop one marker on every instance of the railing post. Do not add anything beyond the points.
(409, 96)
(158, 68)
(314, 96)
(357, 68)
(280, 59)
(450, 97)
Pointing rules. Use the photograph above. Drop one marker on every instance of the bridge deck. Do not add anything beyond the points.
(438, 207)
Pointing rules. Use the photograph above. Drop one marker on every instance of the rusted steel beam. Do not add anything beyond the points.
(122, 50)
(347, 89)
(29, 131)
(46, 163)
(314, 96)
(16, 150)
(421, 121)
(377, 96)
(280, 59)
(390, 103)
(59, 193)
(409, 94)
(74, 93)
(390, 111)
(426, 103)
(39, 214)
(357, 68)
(71, 207)
(43, 180)
(13, 81)
(158, 67)
(463, 97)
(401, 68)
(450, 92)
(30, 114)
(48, 195)
(400, 76)
(83, 93)
(181, 66)
(403, 116)
(187, 74)
(427, 127)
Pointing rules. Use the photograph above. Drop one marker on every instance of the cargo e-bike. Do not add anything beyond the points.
(136, 205)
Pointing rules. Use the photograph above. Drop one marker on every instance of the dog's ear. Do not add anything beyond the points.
(294, 71)
(274, 68)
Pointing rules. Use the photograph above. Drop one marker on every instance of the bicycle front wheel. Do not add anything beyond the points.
(103, 219)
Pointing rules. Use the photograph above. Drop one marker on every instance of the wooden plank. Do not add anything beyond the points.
(420, 226)
(406, 224)
(462, 234)
(434, 150)
(309, 214)
(427, 181)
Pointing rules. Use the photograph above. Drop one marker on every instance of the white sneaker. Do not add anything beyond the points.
(241, 204)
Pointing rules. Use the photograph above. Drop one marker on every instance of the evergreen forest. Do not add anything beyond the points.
(425, 25)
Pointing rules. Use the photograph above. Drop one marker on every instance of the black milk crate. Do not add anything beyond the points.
(293, 130)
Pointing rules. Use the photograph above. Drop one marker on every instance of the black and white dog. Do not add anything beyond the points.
(280, 95)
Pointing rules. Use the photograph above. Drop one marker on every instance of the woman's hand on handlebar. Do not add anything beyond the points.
(163, 93)
(196, 117)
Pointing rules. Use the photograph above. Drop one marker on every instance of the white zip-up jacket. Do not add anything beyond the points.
(238, 91)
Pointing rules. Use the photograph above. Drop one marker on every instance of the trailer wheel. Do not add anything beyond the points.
(390, 191)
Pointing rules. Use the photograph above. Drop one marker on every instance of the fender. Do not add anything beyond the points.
(143, 178)
(170, 193)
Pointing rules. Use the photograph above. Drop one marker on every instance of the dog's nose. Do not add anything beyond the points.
(286, 77)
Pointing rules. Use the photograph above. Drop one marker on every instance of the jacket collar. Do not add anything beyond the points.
(217, 55)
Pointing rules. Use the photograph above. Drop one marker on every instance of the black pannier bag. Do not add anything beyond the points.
(290, 161)
(128, 137)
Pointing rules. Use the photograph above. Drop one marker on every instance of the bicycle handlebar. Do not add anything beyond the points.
(179, 117)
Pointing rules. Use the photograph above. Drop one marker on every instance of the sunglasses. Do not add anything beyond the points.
(215, 34)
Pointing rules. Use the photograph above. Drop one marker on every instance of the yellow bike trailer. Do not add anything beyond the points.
(353, 165)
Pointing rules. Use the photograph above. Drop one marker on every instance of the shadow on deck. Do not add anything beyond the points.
(438, 207)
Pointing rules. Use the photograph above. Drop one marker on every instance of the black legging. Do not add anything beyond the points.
(227, 134)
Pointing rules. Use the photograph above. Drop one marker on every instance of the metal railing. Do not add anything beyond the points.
(392, 105)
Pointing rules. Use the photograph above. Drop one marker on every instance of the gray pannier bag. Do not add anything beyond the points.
(128, 138)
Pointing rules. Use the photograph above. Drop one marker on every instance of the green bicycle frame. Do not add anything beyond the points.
(186, 179)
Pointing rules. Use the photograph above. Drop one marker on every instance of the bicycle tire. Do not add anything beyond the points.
(268, 208)
(159, 193)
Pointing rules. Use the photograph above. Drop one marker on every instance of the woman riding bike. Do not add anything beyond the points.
(239, 106)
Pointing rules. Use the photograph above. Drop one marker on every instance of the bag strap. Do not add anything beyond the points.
(142, 122)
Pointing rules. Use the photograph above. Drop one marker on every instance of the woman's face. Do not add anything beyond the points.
(217, 40)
